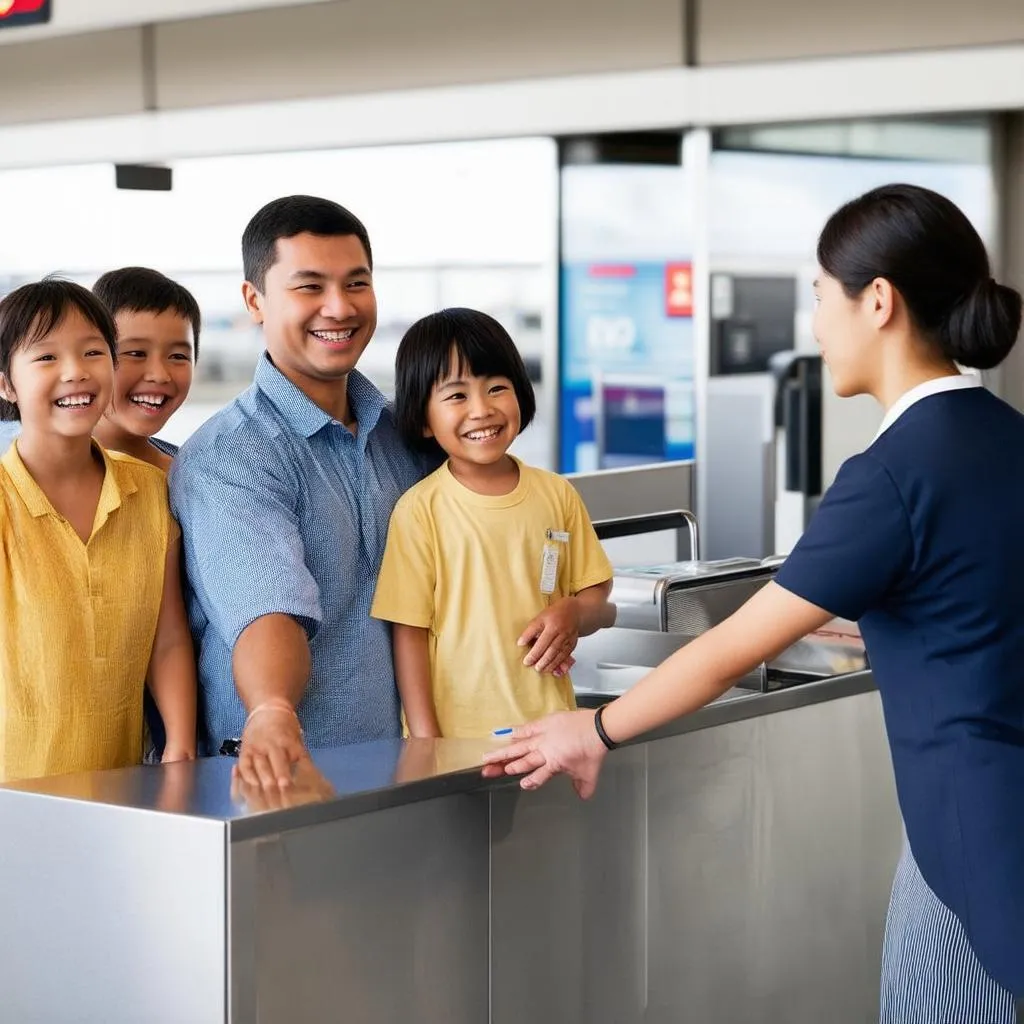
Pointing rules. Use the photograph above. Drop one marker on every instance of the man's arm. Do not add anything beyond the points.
(271, 665)
(246, 562)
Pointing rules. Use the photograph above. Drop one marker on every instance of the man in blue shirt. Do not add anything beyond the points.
(284, 499)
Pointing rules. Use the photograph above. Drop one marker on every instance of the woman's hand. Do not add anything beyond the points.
(563, 743)
(772, 620)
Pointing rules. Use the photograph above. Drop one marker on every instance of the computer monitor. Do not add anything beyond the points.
(631, 422)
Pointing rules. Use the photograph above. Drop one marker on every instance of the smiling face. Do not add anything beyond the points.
(154, 370)
(62, 381)
(317, 308)
(474, 419)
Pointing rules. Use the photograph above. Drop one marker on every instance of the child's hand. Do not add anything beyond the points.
(552, 636)
(173, 752)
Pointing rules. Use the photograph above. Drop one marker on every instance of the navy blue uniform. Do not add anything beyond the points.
(921, 540)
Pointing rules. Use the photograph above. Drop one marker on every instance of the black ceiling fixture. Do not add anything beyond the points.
(143, 177)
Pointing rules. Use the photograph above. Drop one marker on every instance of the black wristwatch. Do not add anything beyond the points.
(599, 726)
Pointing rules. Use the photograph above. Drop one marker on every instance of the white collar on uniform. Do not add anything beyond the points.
(930, 387)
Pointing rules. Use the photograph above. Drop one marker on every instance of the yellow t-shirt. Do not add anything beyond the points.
(77, 621)
(468, 567)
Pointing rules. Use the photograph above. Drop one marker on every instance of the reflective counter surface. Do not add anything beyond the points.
(368, 777)
(733, 866)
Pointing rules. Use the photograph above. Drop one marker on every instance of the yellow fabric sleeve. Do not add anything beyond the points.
(589, 565)
(408, 573)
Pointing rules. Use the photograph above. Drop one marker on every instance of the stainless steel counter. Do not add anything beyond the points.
(734, 866)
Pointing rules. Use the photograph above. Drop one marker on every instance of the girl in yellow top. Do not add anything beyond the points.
(90, 594)
(487, 559)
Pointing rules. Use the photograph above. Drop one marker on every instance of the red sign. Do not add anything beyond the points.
(678, 289)
(23, 12)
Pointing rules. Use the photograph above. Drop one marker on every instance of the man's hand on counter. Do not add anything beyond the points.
(272, 744)
(271, 663)
(308, 785)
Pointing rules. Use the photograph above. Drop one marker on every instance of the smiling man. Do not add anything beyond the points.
(284, 499)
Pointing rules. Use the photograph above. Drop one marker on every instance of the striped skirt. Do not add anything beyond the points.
(930, 974)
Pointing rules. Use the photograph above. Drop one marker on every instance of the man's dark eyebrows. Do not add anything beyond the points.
(317, 275)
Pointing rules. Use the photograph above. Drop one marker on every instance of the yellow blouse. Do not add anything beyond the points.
(77, 620)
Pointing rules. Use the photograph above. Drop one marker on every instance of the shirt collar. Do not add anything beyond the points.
(930, 387)
(303, 415)
(111, 494)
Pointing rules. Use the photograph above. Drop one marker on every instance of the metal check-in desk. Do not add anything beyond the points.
(733, 868)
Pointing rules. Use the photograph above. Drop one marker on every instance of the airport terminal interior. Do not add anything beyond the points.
(635, 193)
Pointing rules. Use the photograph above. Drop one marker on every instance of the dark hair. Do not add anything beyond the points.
(34, 310)
(141, 290)
(425, 355)
(288, 217)
(928, 250)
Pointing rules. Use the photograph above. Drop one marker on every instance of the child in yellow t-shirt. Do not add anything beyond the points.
(90, 591)
(492, 569)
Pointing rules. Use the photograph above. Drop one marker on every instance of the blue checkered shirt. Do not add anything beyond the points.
(9, 430)
(283, 510)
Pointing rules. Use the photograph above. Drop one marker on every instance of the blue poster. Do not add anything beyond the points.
(626, 364)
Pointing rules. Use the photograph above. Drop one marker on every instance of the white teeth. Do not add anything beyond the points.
(155, 401)
(74, 401)
(483, 435)
(334, 335)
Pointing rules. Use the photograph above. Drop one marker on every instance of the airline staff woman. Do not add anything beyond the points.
(920, 539)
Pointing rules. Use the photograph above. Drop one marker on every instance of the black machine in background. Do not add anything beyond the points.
(752, 318)
(798, 414)
(763, 470)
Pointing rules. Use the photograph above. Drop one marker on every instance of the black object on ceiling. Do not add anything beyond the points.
(143, 177)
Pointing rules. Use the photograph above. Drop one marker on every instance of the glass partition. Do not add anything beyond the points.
(626, 314)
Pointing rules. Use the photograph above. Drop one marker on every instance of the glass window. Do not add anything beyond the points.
(470, 224)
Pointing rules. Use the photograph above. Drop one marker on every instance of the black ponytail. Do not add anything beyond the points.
(982, 328)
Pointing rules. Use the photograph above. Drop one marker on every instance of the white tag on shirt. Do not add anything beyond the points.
(560, 535)
(549, 569)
